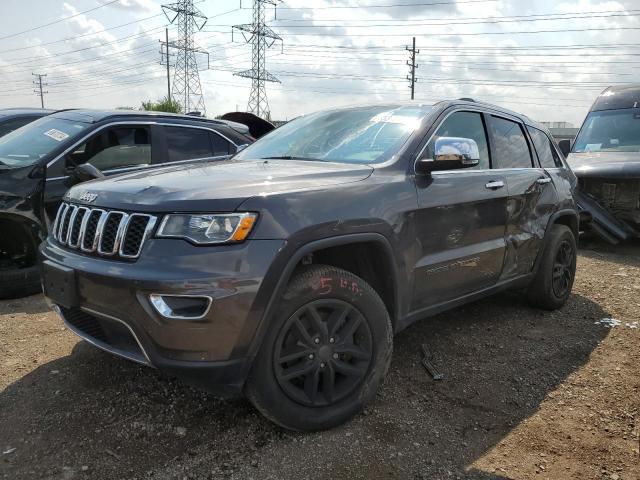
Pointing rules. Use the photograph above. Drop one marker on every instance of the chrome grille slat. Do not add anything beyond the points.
(72, 219)
(64, 209)
(109, 233)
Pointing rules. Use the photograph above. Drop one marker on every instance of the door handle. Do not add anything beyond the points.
(543, 180)
(495, 185)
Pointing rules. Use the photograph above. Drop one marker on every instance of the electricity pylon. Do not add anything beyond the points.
(187, 90)
(261, 37)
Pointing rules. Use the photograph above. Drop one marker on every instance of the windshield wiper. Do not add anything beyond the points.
(291, 157)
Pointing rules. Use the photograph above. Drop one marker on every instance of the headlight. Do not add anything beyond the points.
(205, 229)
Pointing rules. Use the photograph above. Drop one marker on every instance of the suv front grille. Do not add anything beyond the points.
(107, 233)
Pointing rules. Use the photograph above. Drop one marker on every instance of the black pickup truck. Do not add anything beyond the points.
(285, 271)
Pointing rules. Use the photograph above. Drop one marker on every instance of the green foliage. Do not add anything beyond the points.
(168, 105)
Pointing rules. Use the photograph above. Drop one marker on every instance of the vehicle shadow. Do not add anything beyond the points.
(29, 305)
(500, 359)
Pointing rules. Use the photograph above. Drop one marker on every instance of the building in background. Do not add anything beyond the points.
(561, 130)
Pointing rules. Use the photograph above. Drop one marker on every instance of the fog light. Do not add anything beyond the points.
(181, 307)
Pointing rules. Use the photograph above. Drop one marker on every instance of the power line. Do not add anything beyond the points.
(59, 20)
(422, 4)
(430, 34)
(559, 15)
(452, 21)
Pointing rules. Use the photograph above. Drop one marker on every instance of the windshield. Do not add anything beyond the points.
(361, 135)
(28, 144)
(610, 131)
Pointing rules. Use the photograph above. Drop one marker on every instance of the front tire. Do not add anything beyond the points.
(325, 354)
(553, 282)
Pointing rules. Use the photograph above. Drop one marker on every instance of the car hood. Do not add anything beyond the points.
(605, 164)
(214, 186)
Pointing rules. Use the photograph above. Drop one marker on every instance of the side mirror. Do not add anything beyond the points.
(565, 147)
(241, 147)
(451, 153)
(84, 173)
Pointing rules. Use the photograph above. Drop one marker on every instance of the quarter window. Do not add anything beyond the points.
(546, 152)
(220, 145)
(464, 125)
(511, 147)
(184, 143)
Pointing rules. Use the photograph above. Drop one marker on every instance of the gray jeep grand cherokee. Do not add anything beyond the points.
(285, 271)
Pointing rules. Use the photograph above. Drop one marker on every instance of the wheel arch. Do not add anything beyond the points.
(390, 295)
(20, 235)
(569, 218)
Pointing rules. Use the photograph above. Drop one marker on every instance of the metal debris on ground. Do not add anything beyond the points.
(608, 322)
(426, 362)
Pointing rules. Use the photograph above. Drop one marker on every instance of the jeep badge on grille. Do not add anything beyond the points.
(88, 197)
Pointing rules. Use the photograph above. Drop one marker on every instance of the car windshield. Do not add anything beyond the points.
(28, 144)
(610, 131)
(363, 135)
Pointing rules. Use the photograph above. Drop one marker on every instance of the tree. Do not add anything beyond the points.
(165, 104)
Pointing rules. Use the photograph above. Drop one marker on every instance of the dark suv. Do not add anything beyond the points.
(41, 160)
(285, 271)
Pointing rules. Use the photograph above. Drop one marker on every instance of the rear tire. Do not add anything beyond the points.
(326, 351)
(20, 282)
(553, 282)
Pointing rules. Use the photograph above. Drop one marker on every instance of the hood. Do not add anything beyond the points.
(214, 186)
(605, 164)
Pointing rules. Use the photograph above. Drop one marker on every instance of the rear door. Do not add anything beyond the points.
(531, 193)
(188, 143)
(460, 221)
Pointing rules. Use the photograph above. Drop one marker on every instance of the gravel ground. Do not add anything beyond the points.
(527, 394)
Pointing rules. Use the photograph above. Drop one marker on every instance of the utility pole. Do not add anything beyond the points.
(187, 89)
(166, 32)
(37, 82)
(261, 37)
(412, 67)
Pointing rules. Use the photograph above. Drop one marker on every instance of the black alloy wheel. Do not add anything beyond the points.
(563, 268)
(323, 352)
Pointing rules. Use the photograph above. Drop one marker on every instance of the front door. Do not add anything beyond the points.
(112, 150)
(460, 221)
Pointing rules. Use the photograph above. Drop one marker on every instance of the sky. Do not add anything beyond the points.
(547, 59)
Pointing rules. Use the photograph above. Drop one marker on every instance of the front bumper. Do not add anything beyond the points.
(112, 309)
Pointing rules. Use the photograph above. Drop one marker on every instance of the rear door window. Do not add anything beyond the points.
(511, 147)
(544, 148)
(185, 143)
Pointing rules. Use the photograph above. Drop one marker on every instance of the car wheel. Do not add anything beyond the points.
(553, 282)
(325, 354)
(19, 282)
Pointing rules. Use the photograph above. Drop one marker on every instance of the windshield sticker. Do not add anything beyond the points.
(57, 135)
(592, 147)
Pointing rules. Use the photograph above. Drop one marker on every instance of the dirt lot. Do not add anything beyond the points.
(527, 394)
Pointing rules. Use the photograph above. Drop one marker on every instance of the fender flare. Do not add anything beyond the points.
(287, 272)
